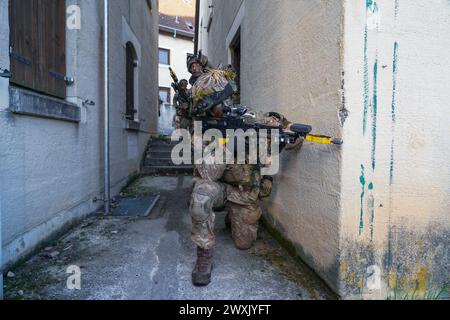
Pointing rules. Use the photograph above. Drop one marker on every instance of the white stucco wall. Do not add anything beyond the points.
(291, 64)
(371, 217)
(396, 211)
(52, 170)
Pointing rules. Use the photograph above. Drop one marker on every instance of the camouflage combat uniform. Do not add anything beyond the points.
(182, 119)
(238, 187)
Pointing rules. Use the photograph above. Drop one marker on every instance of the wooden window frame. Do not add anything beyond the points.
(131, 65)
(169, 95)
(168, 57)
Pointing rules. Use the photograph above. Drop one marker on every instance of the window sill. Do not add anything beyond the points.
(31, 103)
(132, 125)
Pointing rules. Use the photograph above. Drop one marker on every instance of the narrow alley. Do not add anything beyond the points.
(335, 119)
(152, 258)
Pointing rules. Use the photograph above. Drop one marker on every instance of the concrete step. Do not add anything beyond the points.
(155, 153)
(157, 143)
(158, 162)
(160, 148)
(162, 170)
(158, 159)
(158, 154)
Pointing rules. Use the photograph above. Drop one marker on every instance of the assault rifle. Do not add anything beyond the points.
(234, 119)
(176, 85)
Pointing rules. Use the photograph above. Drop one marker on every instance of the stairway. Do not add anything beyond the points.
(157, 160)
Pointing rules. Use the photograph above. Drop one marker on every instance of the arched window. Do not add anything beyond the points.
(131, 84)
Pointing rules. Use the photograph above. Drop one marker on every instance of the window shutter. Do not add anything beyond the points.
(38, 45)
(24, 42)
(52, 47)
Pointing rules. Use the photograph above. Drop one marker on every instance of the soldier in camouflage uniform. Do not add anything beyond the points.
(181, 119)
(238, 187)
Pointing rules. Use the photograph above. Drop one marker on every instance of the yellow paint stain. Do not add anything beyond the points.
(351, 278)
(392, 280)
(223, 141)
(422, 277)
(360, 284)
(343, 269)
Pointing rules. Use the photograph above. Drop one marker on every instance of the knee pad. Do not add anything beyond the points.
(201, 207)
(205, 196)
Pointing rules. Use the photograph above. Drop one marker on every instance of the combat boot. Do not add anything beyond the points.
(201, 275)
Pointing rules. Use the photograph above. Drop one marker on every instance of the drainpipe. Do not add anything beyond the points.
(106, 99)
(1, 258)
(197, 25)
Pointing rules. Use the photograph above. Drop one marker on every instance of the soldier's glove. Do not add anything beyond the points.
(297, 145)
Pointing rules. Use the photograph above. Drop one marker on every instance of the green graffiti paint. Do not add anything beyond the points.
(362, 180)
(393, 111)
(372, 7)
(366, 82)
(371, 209)
(374, 114)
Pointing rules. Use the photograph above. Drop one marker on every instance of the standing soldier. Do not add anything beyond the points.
(182, 119)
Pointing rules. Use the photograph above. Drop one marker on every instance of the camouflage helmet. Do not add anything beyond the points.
(196, 58)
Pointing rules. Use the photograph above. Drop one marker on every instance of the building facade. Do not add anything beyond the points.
(370, 217)
(52, 111)
(176, 42)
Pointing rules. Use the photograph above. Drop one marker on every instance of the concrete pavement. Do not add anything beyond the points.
(152, 258)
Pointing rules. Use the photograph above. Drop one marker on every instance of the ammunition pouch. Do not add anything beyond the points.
(244, 175)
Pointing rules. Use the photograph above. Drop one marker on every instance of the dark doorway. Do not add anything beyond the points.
(235, 50)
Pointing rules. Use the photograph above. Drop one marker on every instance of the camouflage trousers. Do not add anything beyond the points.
(243, 208)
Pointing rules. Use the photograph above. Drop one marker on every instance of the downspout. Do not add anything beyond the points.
(106, 99)
(197, 25)
(1, 258)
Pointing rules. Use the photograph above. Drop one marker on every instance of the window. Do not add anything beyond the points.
(38, 44)
(131, 86)
(164, 56)
(164, 95)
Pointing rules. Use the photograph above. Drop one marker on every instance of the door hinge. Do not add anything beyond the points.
(19, 57)
(4, 73)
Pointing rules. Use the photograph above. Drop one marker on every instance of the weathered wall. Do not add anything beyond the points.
(291, 64)
(223, 13)
(372, 218)
(52, 170)
(4, 100)
(396, 173)
(127, 146)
